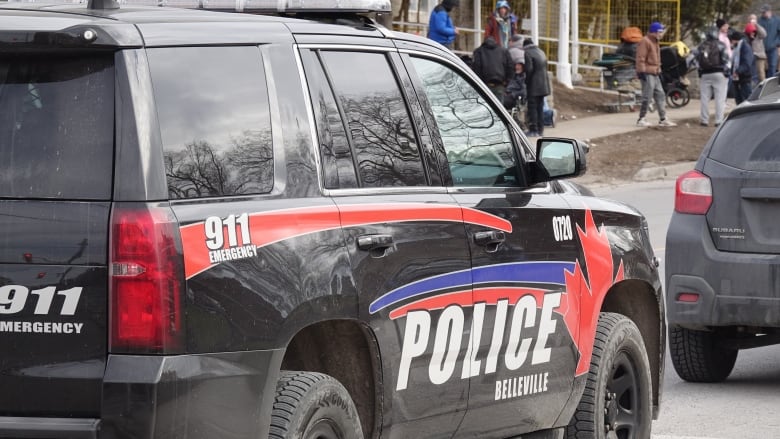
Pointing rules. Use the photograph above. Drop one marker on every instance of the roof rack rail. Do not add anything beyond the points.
(259, 6)
(103, 4)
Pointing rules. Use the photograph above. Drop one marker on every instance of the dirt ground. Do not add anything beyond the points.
(620, 156)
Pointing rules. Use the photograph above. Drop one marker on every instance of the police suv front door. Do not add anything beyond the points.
(523, 363)
(403, 231)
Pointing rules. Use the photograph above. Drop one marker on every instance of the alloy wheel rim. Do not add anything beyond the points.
(621, 399)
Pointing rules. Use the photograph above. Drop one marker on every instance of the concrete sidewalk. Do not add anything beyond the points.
(592, 127)
(607, 124)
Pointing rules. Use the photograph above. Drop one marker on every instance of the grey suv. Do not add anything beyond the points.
(723, 244)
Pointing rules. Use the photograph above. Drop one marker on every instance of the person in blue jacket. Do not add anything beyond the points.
(440, 27)
(771, 24)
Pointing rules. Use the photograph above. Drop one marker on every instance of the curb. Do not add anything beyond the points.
(649, 172)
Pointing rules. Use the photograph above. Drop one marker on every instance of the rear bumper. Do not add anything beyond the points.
(50, 428)
(225, 395)
(733, 288)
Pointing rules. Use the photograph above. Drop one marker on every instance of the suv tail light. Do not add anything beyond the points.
(693, 193)
(147, 279)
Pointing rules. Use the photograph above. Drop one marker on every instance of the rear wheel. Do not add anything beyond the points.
(617, 399)
(310, 405)
(699, 357)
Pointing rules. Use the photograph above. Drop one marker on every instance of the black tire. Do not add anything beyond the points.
(310, 405)
(617, 402)
(698, 356)
(677, 97)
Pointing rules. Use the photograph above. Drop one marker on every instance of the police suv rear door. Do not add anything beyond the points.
(522, 365)
(56, 161)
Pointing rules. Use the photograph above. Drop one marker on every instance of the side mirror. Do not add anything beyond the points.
(559, 158)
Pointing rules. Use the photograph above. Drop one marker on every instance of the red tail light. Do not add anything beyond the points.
(147, 279)
(693, 193)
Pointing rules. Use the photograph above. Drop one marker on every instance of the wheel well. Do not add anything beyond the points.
(637, 300)
(347, 351)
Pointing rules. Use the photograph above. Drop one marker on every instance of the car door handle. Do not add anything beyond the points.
(374, 242)
(489, 238)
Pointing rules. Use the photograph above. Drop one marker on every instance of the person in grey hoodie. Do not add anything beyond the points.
(537, 86)
(758, 35)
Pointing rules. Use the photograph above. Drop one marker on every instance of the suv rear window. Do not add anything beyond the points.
(56, 126)
(749, 142)
(215, 120)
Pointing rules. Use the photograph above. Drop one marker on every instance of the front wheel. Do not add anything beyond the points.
(699, 357)
(617, 402)
(310, 405)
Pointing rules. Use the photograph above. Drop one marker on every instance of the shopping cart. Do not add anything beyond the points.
(619, 74)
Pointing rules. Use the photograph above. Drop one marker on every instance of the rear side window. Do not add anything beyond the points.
(749, 142)
(56, 126)
(212, 104)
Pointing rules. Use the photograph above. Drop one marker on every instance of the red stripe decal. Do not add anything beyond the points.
(265, 228)
(273, 226)
(490, 296)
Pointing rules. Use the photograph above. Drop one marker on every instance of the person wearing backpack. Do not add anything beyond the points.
(714, 69)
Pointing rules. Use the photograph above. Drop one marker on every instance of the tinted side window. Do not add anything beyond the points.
(380, 128)
(56, 126)
(749, 142)
(337, 160)
(212, 104)
(477, 141)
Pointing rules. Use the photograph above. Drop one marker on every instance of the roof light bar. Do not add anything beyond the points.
(330, 6)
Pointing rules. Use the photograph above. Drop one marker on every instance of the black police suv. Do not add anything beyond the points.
(723, 247)
(236, 225)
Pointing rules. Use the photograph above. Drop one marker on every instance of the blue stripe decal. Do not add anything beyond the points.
(421, 287)
(540, 272)
(535, 272)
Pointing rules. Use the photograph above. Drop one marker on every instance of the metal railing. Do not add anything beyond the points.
(578, 68)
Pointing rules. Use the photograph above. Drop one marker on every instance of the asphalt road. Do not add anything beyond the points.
(746, 405)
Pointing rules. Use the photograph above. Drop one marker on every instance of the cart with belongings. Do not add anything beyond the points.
(619, 72)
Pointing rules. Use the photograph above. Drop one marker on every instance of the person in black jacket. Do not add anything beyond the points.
(537, 86)
(493, 64)
(742, 66)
